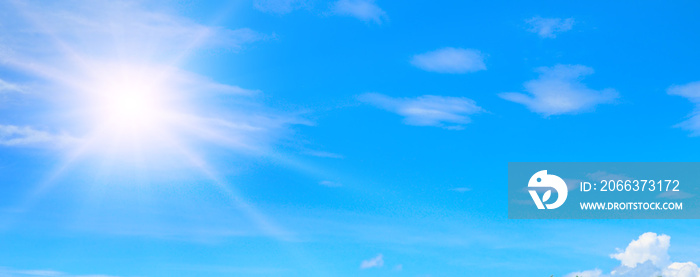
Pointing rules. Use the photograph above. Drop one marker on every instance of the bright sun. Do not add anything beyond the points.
(130, 106)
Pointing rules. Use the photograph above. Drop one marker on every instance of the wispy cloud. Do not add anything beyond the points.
(330, 184)
(427, 110)
(6, 86)
(279, 6)
(549, 27)
(646, 256)
(324, 154)
(102, 28)
(587, 273)
(377, 261)
(450, 60)
(690, 91)
(365, 10)
(461, 190)
(675, 195)
(11, 135)
(8, 272)
(602, 175)
(559, 90)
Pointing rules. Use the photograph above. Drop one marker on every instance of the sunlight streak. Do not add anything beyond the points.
(115, 80)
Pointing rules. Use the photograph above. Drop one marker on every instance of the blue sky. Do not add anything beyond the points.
(348, 138)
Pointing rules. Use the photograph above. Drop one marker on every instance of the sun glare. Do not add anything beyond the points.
(130, 106)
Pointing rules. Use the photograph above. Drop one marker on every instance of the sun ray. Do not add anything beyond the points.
(264, 223)
(132, 110)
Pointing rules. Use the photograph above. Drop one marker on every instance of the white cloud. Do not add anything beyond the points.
(11, 135)
(645, 269)
(365, 10)
(377, 261)
(688, 269)
(9, 272)
(427, 110)
(6, 86)
(587, 273)
(646, 256)
(549, 27)
(649, 247)
(450, 60)
(675, 195)
(691, 91)
(279, 6)
(559, 90)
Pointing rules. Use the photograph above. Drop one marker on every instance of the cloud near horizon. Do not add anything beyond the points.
(646, 256)
(450, 60)
(559, 90)
(549, 27)
(9, 272)
(427, 110)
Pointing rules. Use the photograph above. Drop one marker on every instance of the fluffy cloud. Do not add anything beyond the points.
(649, 247)
(646, 256)
(450, 60)
(688, 269)
(559, 90)
(365, 10)
(691, 91)
(549, 27)
(377, 261)
(427, 110)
